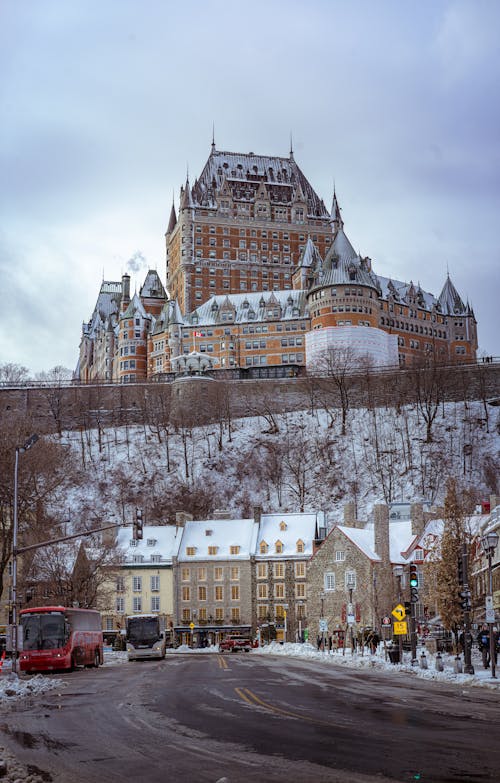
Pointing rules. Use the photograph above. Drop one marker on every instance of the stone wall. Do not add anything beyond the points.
(49, 409)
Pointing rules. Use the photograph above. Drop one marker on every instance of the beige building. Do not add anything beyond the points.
(144, 582)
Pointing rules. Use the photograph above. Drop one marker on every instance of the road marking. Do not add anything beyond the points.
(222, 662)
(254, 701)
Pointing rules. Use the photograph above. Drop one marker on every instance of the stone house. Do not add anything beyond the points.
(350, 578)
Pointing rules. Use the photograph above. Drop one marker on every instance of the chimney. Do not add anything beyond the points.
(350, 514)
(417, 519)
(220, 513)
(125, 292)
(381, 530)
(181, 517)
(257, 514)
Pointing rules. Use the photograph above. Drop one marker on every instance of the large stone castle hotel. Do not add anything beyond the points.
(262, 280)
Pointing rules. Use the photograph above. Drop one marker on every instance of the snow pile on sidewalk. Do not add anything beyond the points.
(481, 677)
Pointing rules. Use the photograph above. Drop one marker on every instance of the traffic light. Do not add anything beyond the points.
(466, 596)
(460, 570)
(408, 608)
(138, 525)
(413, 583)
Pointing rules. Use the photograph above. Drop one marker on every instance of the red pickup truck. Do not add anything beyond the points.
(235, 644)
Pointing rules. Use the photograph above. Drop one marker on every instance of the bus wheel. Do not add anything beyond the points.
(97, 659)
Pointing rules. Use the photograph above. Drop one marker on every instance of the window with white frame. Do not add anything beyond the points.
(329, 581)
(120, 605)
(137, 604)
(350, 580)
(155, 603)
(137, 584)
(339, 556)
(155, 584)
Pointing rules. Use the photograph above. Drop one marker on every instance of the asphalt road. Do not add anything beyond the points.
(254, 718)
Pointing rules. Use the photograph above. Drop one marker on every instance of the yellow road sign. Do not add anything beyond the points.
(400, 628)
(191, 625)
(399, 612)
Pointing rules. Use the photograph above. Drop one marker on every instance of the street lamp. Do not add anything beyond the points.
(322, 596)
(398, 571)
(19, 450)
(489, 543)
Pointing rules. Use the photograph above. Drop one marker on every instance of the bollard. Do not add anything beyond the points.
(439, 663)
(423, 661)
(458, 665)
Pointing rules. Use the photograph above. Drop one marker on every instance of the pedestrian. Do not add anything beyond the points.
(483, 641)
(330, 642)
(374, 642)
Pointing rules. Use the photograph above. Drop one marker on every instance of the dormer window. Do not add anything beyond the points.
(300, 546)
(208, 532)
(190, 551)
(234, 549)
(151, 542)
(283, 525)
(278, 547)
(263, 548)
(138, 559)
(212, 550)
(133, 542)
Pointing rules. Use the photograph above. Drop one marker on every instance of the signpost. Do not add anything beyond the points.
(399, 612)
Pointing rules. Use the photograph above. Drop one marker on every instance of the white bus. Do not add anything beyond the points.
(144, 637)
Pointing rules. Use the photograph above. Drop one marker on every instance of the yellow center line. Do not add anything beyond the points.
(222, 662)
(254, 700)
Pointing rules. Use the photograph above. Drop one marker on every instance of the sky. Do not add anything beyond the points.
(106, 104)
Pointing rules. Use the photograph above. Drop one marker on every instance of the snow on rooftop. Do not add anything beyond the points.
(158, 540)
(288, 529)
(221, 535)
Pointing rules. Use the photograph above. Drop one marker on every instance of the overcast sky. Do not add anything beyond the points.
(105, 104)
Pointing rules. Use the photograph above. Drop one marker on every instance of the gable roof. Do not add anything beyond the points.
(299, 527)
(222, 533)
(166, 537)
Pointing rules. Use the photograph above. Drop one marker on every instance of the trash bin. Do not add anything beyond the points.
(394, 655)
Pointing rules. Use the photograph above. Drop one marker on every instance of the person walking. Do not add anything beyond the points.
(374, 642)
(483, 640)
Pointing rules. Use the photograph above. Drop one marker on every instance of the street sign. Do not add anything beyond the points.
(191, 625)
(400, 628)
(490, 611)
(350, 619)
(399, 612)
(386, 620)
(323, 626)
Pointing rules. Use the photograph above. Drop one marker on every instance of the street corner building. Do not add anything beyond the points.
(262, 280)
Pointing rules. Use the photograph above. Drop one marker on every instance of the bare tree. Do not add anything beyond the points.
(13, 373)
(339, 364)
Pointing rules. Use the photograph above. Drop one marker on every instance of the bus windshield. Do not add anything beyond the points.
(44, 631)
(143, 630)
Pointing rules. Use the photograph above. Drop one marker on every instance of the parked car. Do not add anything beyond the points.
(235, 644)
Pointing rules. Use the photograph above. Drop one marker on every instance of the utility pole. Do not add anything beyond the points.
(466, 606)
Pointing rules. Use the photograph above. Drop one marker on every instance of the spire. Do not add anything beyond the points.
(291, 146)
(213, 138)
(449, 300)
(186, 200)
(335, 217)
(172, 220)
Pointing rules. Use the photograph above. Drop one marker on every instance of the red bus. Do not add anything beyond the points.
(55, 637)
